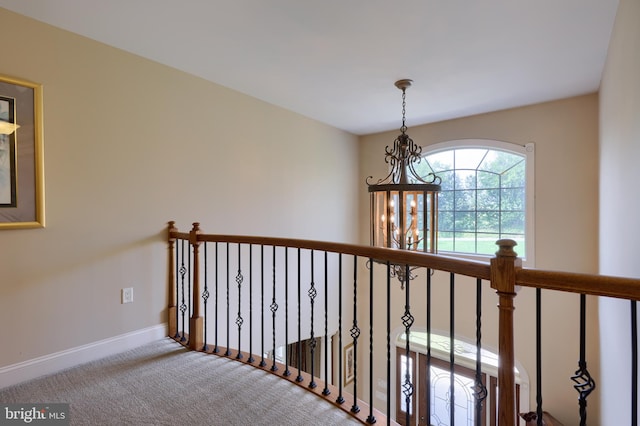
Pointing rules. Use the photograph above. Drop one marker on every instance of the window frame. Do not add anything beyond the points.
(528, 152)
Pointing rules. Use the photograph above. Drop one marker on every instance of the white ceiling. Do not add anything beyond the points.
(336, 60)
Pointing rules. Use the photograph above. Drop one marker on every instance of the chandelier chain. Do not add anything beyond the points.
(403, 129)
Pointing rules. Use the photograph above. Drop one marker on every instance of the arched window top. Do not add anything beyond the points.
(487, 195)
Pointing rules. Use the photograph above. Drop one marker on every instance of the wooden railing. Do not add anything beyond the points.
(191, 286)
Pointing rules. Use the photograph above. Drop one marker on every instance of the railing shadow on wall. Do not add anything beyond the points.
(261, 300)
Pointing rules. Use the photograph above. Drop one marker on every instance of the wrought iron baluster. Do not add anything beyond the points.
(287, 372)
(584, 383)
(479, 390)
(299, 377)
(326, 390)
(388, 412)
(355, 333)
(340, 398)
(274, 308)
(177, 287)
(452, 360)
(183, 305)
(251, 358)
(215, 344)
(407, 321)
(427, 376)
(205, 297)
(634, 363)
(371, 418)
(312, 293)
(228, 351)
(539, 357)
(239, 319)
(262, 360)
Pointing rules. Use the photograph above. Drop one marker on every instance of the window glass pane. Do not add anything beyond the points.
(488, 180)
(447, 180)
(489, 222)
(464, 412)
(440, 161)
(445, 241)
(445, 223)
(465, 242)
(489, 199)
(498, 161)
(465, 200)
(465, 221)
(423, 168)
(469, 158)
(487, 243)
(513, 223)
(445, 200)
(515, 176)
(465, 179)
(513, 200)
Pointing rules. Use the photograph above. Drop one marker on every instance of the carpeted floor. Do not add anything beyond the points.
(164, 384)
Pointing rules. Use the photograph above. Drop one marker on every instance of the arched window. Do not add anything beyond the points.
(487, 195)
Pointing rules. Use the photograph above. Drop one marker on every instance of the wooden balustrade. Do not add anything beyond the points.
(504, 272)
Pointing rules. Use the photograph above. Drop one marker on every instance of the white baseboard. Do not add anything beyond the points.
(48, 364)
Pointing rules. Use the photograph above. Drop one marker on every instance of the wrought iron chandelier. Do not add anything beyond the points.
(404, 205)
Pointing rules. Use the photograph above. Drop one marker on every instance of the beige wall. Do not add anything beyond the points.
(565, 134)
(129, 145)
(619, 203)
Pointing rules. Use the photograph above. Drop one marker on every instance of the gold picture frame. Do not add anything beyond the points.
(349, 364)
(21, 154)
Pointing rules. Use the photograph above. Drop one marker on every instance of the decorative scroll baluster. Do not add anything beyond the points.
(340, 398)
(539, 357)
(228, 351)
(584, 383)
(215, 343)
(312, 293)
(371, 418)
(251, 358)
(183, 305)
(177, 277)
(452, 360)
(634, 363)
(326, 390)
(239, 319)
(479, 389)
(262, 360)
(287, 372)
(407, 321)
(355, 333)
(205, 298)
(274, 308)
(299, 377)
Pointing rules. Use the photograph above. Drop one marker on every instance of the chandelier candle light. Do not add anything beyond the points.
(404, 205)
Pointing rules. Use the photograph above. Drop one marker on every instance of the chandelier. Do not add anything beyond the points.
(404, 204)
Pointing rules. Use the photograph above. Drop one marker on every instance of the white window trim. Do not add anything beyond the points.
(528, 150)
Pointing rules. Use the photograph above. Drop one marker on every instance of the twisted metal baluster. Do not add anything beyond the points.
(274, 308)
(312, 293)
(452, 389)
(262, 360)
(228, 352)
(407, 321)
(205, 297)
(340, 398)
(479, 389)
(183, 305)
(239, 319)
(177, 287)
(355, 333)
(584, 383)
(371, 418)
(251, 358)
(326, 390)
(287, 372)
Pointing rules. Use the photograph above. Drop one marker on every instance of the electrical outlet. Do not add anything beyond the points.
(127, 295)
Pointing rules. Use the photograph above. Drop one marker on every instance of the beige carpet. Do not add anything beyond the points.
(164, 384)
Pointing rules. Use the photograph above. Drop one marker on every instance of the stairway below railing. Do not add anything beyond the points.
(250, 298)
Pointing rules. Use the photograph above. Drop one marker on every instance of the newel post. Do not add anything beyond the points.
(196, 322)
(503, 280)
(173, 296)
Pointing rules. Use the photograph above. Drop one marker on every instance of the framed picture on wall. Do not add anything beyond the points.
(21, 154)
(349, 364)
